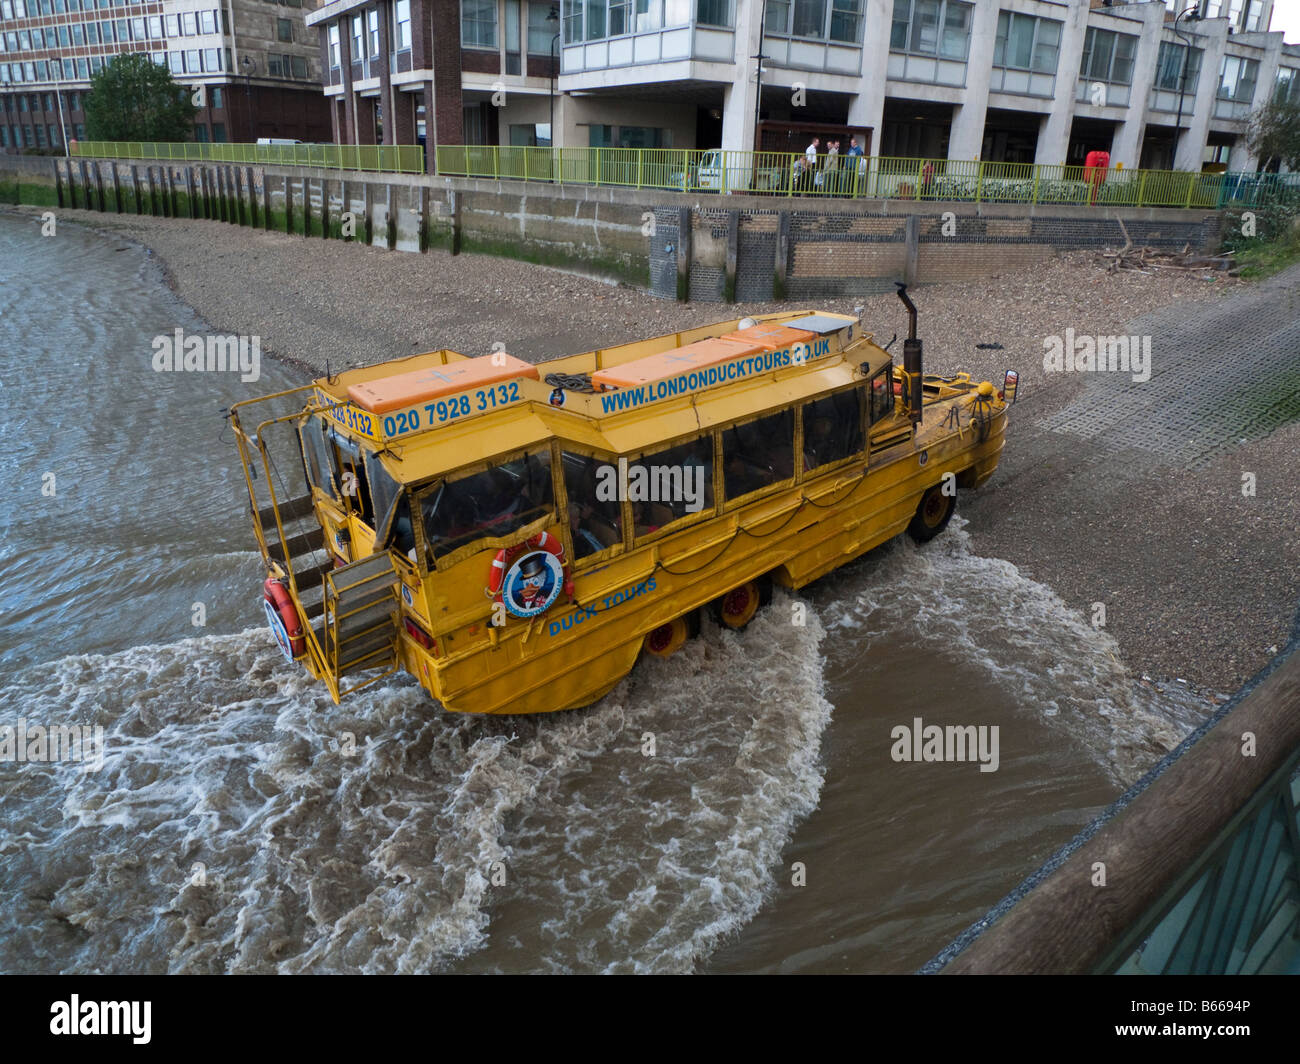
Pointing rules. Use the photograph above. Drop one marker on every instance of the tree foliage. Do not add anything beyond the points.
(1274, 134)
(133, 98)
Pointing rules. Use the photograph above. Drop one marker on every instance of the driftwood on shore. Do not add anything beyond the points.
(1148, 259)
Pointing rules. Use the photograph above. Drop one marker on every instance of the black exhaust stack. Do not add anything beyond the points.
(911, 360)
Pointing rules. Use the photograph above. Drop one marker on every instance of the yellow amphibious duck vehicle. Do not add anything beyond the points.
(515, 535)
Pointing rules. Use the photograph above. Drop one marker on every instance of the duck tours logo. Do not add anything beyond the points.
(178, 353)
(532, 583)
(1098, 354)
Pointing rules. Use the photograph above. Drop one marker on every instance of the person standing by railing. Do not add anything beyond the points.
(810, 164)
(855, 153)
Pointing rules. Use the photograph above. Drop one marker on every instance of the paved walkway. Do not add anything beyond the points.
(1222, 373)
(1131, 494)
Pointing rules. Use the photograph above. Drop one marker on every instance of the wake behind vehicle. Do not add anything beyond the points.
(514, 535)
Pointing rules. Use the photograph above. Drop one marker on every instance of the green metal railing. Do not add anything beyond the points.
(762, 173)
(380, 158)
(786, 174)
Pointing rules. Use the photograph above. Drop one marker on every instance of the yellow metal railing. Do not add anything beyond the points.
(761, 173)
(877, 177)
(379, 158)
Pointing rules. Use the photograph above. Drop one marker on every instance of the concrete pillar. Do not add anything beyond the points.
(733, 243)
(739, 97)
(324, 208)
(99, 176)
(867, 108)
(966, 136)
(1126, 147)
(1054, 134)
(1212, 35)
(288, 204)
(683, 254)
(135, 188)
(266, 201)
(368, 198)
(252, 195)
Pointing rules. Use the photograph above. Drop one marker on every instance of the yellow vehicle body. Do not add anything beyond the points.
(440, 621)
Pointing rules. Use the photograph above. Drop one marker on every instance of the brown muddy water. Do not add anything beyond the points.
(240, 822)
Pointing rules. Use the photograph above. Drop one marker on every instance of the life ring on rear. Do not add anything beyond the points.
(284, 619)
(528, 577)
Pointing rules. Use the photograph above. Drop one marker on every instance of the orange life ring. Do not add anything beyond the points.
(277, 598)
(542, 541)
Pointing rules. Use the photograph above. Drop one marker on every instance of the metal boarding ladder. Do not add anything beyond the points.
(358, 630)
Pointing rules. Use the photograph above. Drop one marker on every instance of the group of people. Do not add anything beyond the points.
(827, 172)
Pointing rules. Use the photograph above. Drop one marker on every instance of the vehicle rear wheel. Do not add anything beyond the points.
(738, 606)
(933, 513)
(667, 639)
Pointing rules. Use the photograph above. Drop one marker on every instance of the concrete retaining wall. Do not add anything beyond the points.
(699, 247)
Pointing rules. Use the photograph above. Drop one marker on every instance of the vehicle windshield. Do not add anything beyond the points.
(489, 504)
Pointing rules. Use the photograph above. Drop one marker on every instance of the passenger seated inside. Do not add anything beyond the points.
(489, 504)
(595, 516)
(649, 517)
(758, 453)
(832, 428)
(590, 531)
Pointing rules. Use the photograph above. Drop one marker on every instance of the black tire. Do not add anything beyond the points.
(933, 513)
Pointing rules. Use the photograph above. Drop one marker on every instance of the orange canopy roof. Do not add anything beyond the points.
(674, 363)
(418, 386)
(771, 337)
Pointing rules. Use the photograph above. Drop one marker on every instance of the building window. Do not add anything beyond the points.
(299, 64)
(540, 32)
(572, 21)
(1027, 43)
(208, 21)
(1169, 67)
(707, 13)
(219, 132)
(175, 62)
(1108, 57)
(595, 19)
(402, 25)
(357, 40)
(284, 30)
(1288, 85)
(173, 25)
(931, 27)
(188, 24)
(372, 21)
(1237, 79)
(334, 46)
(211, 60)
(838, 20)
(200, 132)
(478, 23)
(215, 98)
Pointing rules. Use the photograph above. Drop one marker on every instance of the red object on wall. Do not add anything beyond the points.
(1095, 165)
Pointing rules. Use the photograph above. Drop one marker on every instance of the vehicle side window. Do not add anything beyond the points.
(671, 484)
(595, 513)
(832, 428)
(319, 458)
(882, 393)
(489, 504)
(352, 478)
(758, 453)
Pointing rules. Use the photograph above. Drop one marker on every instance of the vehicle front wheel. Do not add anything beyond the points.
(933, 513)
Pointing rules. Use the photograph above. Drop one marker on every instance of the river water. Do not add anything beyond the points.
(233, 826)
